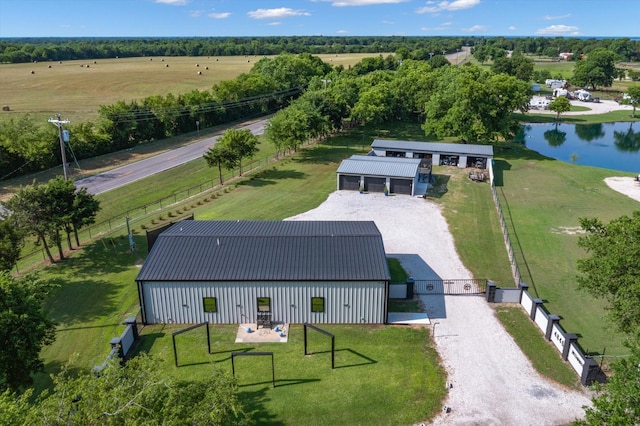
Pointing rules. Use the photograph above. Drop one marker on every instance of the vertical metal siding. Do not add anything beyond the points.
(237, 302)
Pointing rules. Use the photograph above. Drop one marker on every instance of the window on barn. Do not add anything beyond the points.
(264, 304)
(210, 304)
(317, 304)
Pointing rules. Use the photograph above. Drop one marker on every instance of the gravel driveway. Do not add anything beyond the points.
(493, 383)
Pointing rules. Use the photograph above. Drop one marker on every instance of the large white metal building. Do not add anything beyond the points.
(227, 272)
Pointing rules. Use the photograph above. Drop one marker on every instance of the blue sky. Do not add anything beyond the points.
(204, 18)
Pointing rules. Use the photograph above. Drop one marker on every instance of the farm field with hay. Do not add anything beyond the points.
(76, 89)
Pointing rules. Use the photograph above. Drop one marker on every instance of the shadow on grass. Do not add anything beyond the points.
(81, 302)
(326, 154)
(440, 186)
(270, 177)
(244, 350)
(254, 403)
(356, 354)
(281, 382)
(146, 342)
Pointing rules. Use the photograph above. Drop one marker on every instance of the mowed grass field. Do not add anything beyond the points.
(76, 89)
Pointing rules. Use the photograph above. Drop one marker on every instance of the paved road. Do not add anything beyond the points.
(124, 175)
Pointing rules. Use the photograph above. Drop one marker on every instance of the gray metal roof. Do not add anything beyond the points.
(434, 147)
(363, 165)
(267, 251)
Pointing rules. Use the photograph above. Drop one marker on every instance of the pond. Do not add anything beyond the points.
(607, 145)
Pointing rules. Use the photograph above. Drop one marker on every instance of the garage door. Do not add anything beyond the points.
(374, 184)
(350, 183)
(401, 186)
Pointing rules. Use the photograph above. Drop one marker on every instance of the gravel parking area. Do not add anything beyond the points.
(493, 383)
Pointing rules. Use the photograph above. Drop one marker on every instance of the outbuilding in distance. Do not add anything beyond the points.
(373, 174)
(440, 153)
(232, 272)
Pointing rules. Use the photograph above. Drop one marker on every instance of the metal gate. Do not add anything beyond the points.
(460, 286)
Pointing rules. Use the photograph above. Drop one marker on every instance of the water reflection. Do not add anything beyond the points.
(589, 132)
(608, 145)
(627, 141)
(555, 137)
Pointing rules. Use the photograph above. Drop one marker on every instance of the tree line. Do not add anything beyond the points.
(20, 50)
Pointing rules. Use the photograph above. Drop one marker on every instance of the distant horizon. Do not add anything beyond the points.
(305, 18)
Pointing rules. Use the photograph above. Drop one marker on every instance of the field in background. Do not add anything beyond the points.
(76, 89)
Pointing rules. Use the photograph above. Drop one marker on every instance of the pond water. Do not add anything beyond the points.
(607, 145)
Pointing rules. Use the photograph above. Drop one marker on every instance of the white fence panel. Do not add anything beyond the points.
(557, 337)
(527, 301)
(541, 319)
(576, 359)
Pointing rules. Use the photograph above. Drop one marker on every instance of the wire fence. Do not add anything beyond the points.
(515, 270)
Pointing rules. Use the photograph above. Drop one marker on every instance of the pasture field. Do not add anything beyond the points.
(76, 89)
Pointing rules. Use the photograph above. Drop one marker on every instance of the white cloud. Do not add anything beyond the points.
(512, 28)
(274, 24)
(195, 13)
(343, 3)
(559, 30)
(173, 2)
(435, 7)
(221, 15)
(282, 12)
(475, 29)
(555, 18)
(342, 32)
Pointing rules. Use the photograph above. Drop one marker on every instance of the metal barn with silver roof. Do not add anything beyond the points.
(227, 272)
(373, 174)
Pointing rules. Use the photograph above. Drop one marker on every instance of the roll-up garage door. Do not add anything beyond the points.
(350, 183)
(374, 184)
(400, 186)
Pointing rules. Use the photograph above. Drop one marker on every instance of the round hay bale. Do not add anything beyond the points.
(88, 66)
(199, 72)
(151, 59)
(59, 62)
(49, 66)
(166, 65)
(95, 62)
(216, 59)
(81, 65)
(163, 60)
(6, 108)
(197, 65)
(33, 72)
(206, 68)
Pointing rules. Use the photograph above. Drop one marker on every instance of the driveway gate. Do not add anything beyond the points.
(461, 286)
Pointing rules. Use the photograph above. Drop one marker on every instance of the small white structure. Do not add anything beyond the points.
(539, 102)
(582, 95)
(556, 84)
(560, 92)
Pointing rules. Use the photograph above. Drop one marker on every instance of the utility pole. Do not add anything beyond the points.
(325, 81)
(58, 123)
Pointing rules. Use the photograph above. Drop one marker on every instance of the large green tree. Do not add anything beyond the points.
(24, 329)
(10, 244)
(633, 97)
(597, 69)
(139, 393)
(221, 155)
(612, 270)
(242, 142)
(559, 105)
(618, 402)
(474, 105)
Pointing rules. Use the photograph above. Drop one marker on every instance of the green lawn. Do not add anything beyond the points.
(383, 375)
